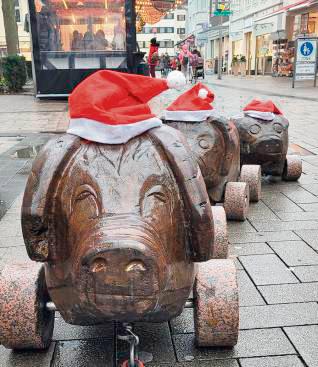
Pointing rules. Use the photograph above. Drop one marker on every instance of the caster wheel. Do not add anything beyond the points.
(221, 240)
(293, 168)
(252, 175)
(25, 323)
(236, 200)
(216, 305)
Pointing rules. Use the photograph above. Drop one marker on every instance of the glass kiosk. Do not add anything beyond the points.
(73, 38)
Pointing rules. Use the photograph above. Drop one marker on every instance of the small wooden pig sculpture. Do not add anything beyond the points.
(215, 144)
(119, 228)
(264, 140)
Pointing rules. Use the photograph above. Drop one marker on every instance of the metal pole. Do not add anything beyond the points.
(220, 51)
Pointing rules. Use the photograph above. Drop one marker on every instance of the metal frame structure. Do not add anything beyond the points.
(52, 82)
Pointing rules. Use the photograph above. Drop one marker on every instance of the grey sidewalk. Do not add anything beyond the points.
(276, 252)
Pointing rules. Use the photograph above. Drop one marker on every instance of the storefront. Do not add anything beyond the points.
(264, 54)
(73, 38)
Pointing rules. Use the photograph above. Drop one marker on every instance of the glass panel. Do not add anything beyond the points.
(82, 34)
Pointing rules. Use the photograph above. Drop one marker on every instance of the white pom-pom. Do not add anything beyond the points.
(176, 80)
(203, 93)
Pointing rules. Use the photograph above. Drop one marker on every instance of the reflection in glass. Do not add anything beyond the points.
(81, 33)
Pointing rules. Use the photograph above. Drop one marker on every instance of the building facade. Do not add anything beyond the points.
(259, 36)
(21, 11)
(169, 31)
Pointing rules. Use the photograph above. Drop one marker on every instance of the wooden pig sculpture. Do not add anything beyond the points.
(119, 229)
(215, 144)
(264, 140)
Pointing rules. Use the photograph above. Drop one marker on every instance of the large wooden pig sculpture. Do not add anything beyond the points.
(264, 140)
(125, 230)
(216, 147)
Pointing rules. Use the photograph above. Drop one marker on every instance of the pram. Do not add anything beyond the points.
(197, 72)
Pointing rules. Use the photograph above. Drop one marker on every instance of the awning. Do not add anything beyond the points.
(290, 7)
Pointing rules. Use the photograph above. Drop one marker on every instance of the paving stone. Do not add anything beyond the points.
(267, 269)
(238, 265)
(217, 363)
(273, 226)
(263, 237)
(154, 339)
(183, 324)
(305, 339)
(84, 353)
(289, 217)
(310, 237)
(295, 253)
(301, 196)
(253, 317)
(306, 273)
(279, 361)
(64, 331)
(260, 211)
(256, 248)
(278, 202)
(9, 358)
(288, 293)
(249, 294)
(251, 343)
(11, 242)
(309, 207)
(239, 227)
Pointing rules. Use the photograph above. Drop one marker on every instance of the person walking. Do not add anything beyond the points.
(153, 57)
(185, 58)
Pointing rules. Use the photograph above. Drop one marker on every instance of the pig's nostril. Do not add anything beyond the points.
(135, 265)
(98, 265)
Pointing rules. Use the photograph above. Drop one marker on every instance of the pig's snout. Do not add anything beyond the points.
(126, 268)
(271, 145)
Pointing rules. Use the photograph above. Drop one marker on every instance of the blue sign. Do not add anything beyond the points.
(306, 48)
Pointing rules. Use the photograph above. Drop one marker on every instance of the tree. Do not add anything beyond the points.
(10, 26)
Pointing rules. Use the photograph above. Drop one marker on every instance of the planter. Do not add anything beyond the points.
(243, 68)
(235, 69)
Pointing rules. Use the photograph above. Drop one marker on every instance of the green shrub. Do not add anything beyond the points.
(242, 58)
(14, 72)
(3, 85)
(235, 59)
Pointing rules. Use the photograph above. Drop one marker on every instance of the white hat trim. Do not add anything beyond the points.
(199, 115)
(110, 134)
(268, 116)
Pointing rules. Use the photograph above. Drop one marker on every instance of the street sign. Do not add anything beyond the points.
(305, 65)
(222, 8)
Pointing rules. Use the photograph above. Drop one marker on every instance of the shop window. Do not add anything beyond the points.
(17, 11)
(78, 34)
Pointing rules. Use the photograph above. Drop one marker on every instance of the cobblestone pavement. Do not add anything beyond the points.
(276, 249)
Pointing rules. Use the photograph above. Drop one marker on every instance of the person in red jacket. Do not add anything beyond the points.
(153, 57)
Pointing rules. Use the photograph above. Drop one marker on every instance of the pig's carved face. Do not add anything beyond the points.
(118, 246)
(215, 144)
(263, 139)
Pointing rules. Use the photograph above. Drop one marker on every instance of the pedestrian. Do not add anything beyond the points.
(184, 58)
(153, 57)
(162, 64)
(194, 64)
(173, 63)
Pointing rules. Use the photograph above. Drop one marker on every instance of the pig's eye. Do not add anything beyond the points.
(204, 144)
(85, 202)
(255, 129)
(158, 195)
(154, 200)
(278, 128)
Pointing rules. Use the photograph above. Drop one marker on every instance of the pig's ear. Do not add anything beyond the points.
(45, 176)
(192, 186)
(222, 124)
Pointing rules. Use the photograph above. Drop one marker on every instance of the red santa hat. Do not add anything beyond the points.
(193, 105)
(264, 110)
(111, 107)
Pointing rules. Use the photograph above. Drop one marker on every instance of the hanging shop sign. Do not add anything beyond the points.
(222, 8)
(305, 67)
